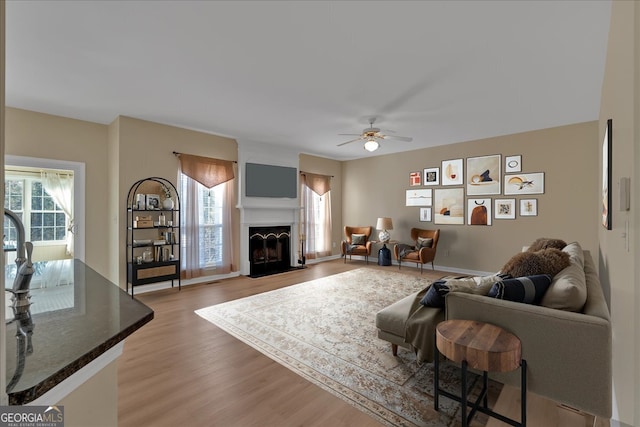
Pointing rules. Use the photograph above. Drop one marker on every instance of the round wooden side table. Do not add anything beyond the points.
(484, 347)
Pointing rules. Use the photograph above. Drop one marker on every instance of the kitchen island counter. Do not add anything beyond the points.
(75, 317)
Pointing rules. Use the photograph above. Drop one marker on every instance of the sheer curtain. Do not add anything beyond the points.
(60, 188)
(315, 193)
(202, 173)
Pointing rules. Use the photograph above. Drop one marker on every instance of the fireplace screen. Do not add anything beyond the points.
(269, 250)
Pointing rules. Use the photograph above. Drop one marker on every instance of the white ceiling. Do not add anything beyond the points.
(298, 73)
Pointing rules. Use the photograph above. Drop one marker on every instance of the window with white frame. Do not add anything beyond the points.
(205, 207)
(44, 220)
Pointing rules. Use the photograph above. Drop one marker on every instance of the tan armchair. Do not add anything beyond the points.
(359, 248)
(423, 255)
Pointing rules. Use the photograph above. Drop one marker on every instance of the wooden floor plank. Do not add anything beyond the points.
(181, 370)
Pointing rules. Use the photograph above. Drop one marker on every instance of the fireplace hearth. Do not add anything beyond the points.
(269, 250)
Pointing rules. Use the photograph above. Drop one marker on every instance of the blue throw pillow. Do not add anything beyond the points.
(434, 296)
(528, 290)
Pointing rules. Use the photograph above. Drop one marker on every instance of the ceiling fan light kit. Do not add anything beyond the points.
(372, 136)
(371, 145)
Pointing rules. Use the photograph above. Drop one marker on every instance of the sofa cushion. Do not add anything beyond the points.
(479, 285)
(358, 239)
(528, 290)
(568, 289)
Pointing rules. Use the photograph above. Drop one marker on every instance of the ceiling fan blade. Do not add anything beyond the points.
(399, 138)
(350, 134)
(349, 142)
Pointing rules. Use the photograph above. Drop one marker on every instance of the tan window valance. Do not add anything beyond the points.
(207, 171)
(320, 184)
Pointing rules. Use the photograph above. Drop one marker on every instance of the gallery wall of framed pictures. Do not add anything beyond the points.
(475, 190)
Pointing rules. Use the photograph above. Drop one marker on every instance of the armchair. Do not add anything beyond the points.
(359, 246)
(419, 255)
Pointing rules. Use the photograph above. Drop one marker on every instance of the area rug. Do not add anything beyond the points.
(324, 330)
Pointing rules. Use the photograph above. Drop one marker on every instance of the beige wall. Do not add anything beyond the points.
(324, 166)
(375, 187)
(619, 273)
(45, 136)
(145, 149)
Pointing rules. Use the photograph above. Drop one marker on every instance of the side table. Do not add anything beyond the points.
(484, 347)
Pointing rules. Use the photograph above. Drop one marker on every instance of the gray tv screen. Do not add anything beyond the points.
(270, 181)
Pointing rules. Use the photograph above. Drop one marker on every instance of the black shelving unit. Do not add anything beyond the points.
(153, 234)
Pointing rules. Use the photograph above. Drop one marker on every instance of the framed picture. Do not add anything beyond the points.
(448, 207)
(513, 164)
(528, 207)
(607, 145)
(431, 176)
(479, 211)
(425, 214)
(153, 201)
(452, 172)
(483, 175)
(505, 209)
(421, 197)
(528, 183)
(414, 178)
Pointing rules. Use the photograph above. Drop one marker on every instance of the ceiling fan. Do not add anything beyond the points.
(372, 136)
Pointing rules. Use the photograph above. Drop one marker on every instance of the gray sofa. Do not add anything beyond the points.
(566, 340)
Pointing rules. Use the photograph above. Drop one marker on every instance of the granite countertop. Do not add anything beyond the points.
(75, 316)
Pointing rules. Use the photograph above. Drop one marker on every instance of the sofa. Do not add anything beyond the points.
(566, 340)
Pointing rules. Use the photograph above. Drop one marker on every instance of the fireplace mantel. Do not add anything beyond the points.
(264, 211)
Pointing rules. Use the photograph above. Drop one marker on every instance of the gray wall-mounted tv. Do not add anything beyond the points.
(270, 181)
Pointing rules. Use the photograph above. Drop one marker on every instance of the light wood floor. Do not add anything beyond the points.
(180, 370)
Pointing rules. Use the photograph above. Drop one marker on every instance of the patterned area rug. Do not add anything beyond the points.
(324, 330)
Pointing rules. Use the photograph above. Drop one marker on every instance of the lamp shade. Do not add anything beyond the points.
(384, 224)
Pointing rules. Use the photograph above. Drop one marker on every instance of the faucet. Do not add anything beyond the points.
(25, 269)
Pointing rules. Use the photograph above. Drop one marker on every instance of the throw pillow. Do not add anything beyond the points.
(568, 290)
(547, 261)
(358, 239)
(433, 298)
(436, 293)
(528, 290)
(424, 242)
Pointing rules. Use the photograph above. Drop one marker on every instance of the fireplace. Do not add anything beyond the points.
(269, 250)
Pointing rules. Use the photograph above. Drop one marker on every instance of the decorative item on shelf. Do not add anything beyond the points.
(384, 224)
(168, 201)
(153, 201)
(143, 221)
(141, 202)
(162, 220)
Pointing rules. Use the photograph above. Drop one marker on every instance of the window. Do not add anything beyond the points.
(44, 220)
(316, 216)
(205, 207)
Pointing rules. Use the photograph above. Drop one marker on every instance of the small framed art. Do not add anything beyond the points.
(513, 164)
(524, 183)
(419, 197)
(452, 173)
(529, 207)
(153, 201)
(431, 176)
(414, 179)
(483, 175)
(425, 214)
(505, 209)
(479, 211)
